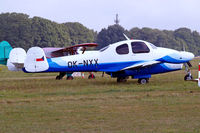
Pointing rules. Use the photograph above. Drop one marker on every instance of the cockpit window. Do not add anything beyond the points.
(139, 47)
(122, 49)
(104, 48)
(153, 46)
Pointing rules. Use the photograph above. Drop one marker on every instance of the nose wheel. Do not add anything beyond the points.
(188, 75)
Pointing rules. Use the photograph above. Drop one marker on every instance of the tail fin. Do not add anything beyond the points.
(5, 49)
(16, 59)
(36, 60)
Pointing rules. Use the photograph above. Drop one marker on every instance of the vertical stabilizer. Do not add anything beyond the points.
(16, 59)
(36, 60)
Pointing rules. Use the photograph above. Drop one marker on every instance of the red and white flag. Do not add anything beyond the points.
(40, 59)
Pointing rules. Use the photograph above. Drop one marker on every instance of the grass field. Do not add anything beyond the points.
(39, 103)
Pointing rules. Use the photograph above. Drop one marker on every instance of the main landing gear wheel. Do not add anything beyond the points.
(60, 76)
(121, 79)
(143, 81)
(91, 76)
(188, 77)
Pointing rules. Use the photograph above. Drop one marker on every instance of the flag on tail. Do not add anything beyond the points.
(40, 59)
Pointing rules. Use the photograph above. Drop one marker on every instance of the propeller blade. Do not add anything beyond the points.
(189, 64)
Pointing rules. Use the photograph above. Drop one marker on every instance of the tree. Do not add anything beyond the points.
(79, 33)
(22, 31)
(112, 34)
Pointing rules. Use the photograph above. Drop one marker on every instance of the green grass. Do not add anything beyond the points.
(29, 103)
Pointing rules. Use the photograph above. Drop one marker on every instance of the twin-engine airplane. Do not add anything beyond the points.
(136, 58)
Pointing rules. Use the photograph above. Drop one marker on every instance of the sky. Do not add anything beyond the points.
(98, 14)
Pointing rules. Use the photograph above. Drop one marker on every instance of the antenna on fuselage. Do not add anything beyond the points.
(126, 37)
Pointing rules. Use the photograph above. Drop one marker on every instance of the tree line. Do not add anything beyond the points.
(22, 31)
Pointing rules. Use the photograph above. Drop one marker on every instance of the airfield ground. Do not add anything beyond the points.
(39, 103)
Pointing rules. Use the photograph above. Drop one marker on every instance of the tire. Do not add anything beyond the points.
(188, 77)
(58, 77)
(143, 81)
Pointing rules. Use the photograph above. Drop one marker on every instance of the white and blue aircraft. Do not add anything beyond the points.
(136, 58)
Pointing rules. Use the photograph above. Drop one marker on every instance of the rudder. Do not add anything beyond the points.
(16, 59)
(36, 60)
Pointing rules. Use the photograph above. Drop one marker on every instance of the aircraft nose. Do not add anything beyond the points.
(187, 55)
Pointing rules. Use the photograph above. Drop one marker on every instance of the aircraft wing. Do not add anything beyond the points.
(142, 64)
(72, 49)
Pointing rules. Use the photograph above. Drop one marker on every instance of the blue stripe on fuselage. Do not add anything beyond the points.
(169, 59)
(106, 67)
(109, 67)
